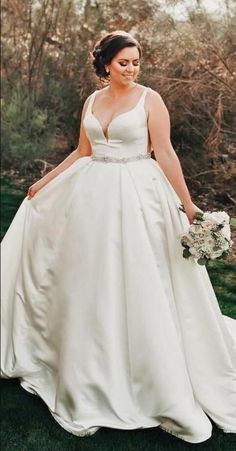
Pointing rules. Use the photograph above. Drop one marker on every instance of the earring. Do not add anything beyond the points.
(107, 71)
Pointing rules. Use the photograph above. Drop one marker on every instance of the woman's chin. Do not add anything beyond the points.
(128, 80)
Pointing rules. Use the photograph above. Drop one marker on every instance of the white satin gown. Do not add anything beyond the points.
(102, 317)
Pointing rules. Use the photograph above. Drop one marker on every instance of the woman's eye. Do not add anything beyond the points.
(124, 64)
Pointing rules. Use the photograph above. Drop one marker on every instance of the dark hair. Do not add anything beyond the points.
(107, 47)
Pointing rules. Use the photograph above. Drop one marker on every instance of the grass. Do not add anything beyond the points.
(223, 279)
(11, 197)
(27, 424)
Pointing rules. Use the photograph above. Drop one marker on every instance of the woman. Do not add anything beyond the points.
(102, 316)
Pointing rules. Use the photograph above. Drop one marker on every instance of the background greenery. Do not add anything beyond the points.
(47, 75)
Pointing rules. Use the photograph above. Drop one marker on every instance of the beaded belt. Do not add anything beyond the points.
(106, 159)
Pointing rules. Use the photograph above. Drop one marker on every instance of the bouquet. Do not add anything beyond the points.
(208, 237)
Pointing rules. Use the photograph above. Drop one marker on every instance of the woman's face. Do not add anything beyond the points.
(124, 67)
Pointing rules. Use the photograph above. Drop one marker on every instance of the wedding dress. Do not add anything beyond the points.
(102, 317)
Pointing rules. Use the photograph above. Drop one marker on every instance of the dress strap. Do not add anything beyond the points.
(140, 102)
(143, 96)
(91, 101)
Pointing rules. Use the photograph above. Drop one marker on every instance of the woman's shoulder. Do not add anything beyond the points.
(88, 100)
(87, 103)
(96, 92)
(154, 98)
(153, 93)
(90, 96)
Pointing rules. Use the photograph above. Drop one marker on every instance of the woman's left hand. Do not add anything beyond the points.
(190, 211)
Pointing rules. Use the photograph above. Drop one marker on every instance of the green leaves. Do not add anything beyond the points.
(224, 255)
(199, 215)
(233, 222)
(202, 261)
(186, 253)
(27, 129)
(181, 208)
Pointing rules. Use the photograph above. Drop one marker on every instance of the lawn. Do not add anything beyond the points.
(27, 424)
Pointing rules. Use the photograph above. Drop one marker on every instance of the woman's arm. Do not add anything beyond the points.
(83, 149)
(159, 130)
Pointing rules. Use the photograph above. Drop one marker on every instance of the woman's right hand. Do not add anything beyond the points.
(190, 211)
(33, 189)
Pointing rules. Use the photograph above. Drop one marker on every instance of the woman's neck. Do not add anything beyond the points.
(115, 90)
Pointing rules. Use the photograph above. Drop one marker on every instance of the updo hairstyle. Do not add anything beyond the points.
(107, 47)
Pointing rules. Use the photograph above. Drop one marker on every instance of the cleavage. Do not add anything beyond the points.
(106, 129)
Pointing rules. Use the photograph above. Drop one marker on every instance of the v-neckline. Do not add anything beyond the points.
(106, 137)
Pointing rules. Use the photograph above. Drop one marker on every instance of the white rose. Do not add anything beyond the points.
(216, 254)
(207, 224)
(194, 252)
(226, 232)
(217, 217)
(210, 242)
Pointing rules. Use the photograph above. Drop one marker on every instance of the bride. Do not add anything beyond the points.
(102, 317)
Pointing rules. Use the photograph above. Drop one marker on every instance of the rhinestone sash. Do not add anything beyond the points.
(107, 159)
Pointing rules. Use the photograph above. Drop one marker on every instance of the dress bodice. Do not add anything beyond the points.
(127, 133)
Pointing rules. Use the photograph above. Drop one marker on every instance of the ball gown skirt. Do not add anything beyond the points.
(101, 316)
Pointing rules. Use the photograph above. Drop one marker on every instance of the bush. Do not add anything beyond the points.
(27, 130)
